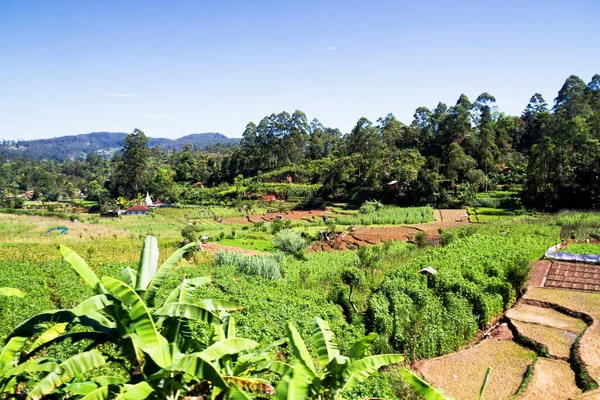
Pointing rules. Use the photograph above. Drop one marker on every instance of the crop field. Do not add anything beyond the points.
(552, 379)
(585, 302)
(573, 276)
(469, 291)
(547, 317)
(558, 341)
(583, 248)
(460, 374)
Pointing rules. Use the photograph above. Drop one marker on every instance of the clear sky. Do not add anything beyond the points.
(172, 68)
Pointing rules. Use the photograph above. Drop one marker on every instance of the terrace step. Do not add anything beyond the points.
(552, 379)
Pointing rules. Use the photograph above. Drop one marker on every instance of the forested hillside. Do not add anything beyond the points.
(445, 156)
(102, 143)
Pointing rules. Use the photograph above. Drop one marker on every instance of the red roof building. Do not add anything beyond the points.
(136, 210)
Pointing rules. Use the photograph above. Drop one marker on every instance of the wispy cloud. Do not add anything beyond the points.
(118, 94)
(331, 48)
(153, 115)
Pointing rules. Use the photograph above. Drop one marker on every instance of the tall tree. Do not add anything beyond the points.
(131, 171)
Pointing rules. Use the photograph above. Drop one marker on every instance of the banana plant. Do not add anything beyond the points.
(334, 374)
(154, 340)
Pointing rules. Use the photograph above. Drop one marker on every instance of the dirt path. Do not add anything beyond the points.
(539, 270)
(291, 215)
(552, 379)
(213, 247)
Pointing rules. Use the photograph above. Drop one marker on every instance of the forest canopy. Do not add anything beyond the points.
(444, 156)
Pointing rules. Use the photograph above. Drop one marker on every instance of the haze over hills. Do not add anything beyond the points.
(104, 143)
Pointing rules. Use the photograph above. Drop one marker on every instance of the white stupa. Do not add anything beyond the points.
(149, 201)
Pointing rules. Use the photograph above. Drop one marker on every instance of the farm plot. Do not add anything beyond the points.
(460, 374)
(573, 276)
(558, 341)
(583, 302)
(552, 379)
(310, 215)
(545, 316)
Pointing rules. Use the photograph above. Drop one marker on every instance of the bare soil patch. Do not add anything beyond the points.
(584, 302)
(539, 270)
(545, 316)
(461, 374)
(558, 341)
(214, 247)
(552, 379)
(574, 276)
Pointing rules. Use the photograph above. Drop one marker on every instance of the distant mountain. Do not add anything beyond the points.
(104, 143)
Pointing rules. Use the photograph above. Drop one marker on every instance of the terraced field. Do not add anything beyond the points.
(552, 379)
(461, 374)
(578, 276)
(583, 302)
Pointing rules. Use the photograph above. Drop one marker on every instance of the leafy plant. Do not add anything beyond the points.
(335, 374)
(153, 341)
(290, 242)
(353, 278)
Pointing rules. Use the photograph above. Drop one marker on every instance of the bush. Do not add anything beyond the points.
(517, 274)
(370, 207)
(279, 225)
(191, 233)
(420, 239)
(264, 266)
(446, 237)
(290, 242)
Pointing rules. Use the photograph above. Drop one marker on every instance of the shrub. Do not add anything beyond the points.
(446, 237)
(191, 233)
(264, 266)
(290, 242)
(370, 207)
(420, 239)
(517, 274)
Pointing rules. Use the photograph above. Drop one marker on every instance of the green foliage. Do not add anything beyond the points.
(471, 288)
(267, 267)
(391, 215)
(336, 373)
(191, 233)
(517, 274)
(447, 237)
(420, 239)
(352, 277)
(583, 248)
(290, 242)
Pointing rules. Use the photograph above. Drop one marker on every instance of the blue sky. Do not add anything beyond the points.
(174, 68)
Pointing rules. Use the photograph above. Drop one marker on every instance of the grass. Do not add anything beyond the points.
(543, 384)
(488, 214)
(388, 215)
(249, 244)
(547, 317)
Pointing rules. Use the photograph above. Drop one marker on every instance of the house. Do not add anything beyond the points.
(137, 210)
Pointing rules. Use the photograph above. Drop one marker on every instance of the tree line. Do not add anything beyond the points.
(444, 157)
